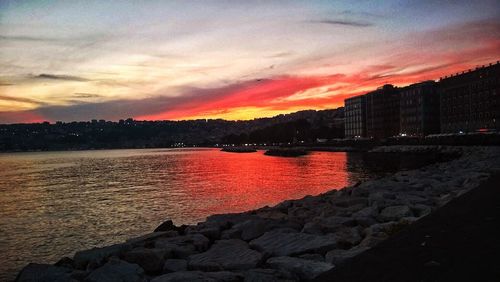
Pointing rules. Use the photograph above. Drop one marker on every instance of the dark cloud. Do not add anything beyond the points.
(27, 38)
(361, 13)
(345, 23)
(60, 77)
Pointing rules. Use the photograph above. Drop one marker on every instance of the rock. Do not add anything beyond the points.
(35, 272)
(283, 244)
(338, 256)
(116, 271)
(254, 228)
(315, 257)
(211, 232)
(272, 214)
(365, 221)
(228, 220)
(267, 275)
(166, 226)
(173, 265)
(230, 254)
(366, 212)
(421, 210)
(151, 260)
(97, 256)
(351, 201)
(394, 213)
(304, 269)
(409, 199)
(199, 276)
(323, 225)
(347, 237)
(142, 240)
(373, 239)
(65, 262)
(231, 234)
(199, 242)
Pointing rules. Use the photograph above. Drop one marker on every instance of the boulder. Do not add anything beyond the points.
(35, 272)
(151, 260)
(366, 212)
(348, 237)
(116, 271)
(267, 275)
(97, 256)
(199, 276)
(272, 214)
(420, 210)
(166, 226)
(254, 228)
(198, 241)
(339, 256)
(228, 220)
(142, 240)
(373, 239)
(315, 257)
(232, 233)
(283, 244)
(323, 225)
(173, 265)
(211, 232)
(230, 254)
(305, 269)
(393, 213)
(346, 202)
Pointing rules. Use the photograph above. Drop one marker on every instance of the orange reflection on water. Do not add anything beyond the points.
(231, 182)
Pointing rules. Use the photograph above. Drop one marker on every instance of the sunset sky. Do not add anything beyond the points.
(80, 60)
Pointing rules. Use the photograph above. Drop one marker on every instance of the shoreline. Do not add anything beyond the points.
(458, 242)
(294, 240)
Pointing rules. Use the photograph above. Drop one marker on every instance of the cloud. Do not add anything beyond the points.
(85, 95)
(345, 23)
(19, 99)
(60, 77)
(27, 38)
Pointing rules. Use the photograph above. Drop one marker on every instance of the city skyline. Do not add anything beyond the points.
(231, 60)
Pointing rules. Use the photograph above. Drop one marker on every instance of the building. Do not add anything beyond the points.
(355, 117)
(470, 101)
(382, 112)
(419, 109)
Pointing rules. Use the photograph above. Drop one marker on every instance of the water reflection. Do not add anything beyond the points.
(53, 203)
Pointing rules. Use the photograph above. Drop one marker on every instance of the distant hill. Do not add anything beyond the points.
(129, 133)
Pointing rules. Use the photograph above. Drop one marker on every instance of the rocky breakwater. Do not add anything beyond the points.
(239, 149)
(296, 240)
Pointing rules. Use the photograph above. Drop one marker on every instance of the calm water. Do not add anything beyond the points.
(53, 203)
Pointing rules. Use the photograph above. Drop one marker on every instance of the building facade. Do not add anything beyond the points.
(355, 117)
(470, 101)
(382, 112)
(419, 109)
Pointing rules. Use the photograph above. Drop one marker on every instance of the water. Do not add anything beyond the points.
(53, 203)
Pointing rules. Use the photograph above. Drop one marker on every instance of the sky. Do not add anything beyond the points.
(156, 60)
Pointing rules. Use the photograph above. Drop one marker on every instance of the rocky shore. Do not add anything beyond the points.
(296, 240)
